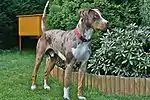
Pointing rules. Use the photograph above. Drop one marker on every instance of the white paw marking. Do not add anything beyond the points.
(66, 93)
(81, 98)
(33, 87)
(46, 87)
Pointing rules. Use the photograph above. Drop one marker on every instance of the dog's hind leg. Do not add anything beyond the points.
(40, 50)
(50, 63)
(81, 76)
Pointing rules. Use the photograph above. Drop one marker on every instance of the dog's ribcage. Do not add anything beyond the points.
(61, 41)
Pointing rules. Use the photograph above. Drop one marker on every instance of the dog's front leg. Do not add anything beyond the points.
(81, 76)
(67, 78)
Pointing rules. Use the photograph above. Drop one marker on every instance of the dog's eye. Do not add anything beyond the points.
(96, 17)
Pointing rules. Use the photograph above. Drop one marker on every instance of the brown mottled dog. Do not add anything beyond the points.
(71, 46)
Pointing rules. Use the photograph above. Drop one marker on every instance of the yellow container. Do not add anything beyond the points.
(29, 25)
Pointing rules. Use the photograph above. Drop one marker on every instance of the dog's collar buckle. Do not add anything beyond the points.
(77, 32)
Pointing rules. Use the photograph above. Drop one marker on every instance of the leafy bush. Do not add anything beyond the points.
(145, 12)
(122, 14)
(122, 53)
(64, 14)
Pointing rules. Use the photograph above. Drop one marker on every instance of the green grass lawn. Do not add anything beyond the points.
(15, 81)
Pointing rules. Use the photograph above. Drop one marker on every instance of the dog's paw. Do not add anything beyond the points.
(33, 87)
(66, 99)
(46, 87)
(66, 93)
(81, 98)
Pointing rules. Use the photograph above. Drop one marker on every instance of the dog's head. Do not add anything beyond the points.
(93, 18)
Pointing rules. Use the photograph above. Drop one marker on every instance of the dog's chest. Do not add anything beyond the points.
(82, 51)
(66, 43)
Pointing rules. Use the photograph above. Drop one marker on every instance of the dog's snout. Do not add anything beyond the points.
(105, 22)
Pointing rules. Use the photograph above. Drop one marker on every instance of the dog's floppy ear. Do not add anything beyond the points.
(81, 11)
(84, 12)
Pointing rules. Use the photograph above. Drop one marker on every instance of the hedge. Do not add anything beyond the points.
(122, 53)
(145, 12)
(64, 14)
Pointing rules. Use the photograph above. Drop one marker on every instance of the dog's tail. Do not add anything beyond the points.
(43, 21)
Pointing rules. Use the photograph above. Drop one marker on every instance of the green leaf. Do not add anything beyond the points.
(125, 61)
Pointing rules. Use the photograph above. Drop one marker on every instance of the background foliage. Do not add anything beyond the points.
(64, 14)
(145, 11)
(121, 53)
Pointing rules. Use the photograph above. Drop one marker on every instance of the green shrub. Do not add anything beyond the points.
(122, 14)
(64, 14)
(145, 12)
(122, 53)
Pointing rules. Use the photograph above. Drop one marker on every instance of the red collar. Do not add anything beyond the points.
(77, 32)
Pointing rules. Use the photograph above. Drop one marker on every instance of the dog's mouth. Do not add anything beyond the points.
(106, 29)
(105, 26)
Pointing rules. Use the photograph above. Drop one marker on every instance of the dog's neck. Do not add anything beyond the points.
(84, 30)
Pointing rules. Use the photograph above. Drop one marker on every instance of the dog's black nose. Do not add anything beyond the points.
(107, 23)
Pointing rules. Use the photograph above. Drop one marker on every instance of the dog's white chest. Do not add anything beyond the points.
(81, 52)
